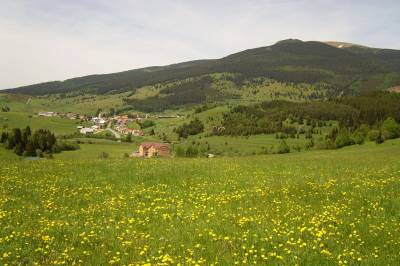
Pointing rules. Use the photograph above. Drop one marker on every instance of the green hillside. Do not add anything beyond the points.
(348, 70)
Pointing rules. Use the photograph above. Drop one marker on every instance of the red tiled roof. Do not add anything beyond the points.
(157, 145)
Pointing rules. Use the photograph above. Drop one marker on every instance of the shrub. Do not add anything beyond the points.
(373, 134)
(179, 151)
(390, 129)
(343, 138)
(358, 138)
(193, 128)
(146, 124)
(325, 144)
(192, 152)
(129, 137)
(379, 139)
(103, 155)
(67, 146)
(282, 147)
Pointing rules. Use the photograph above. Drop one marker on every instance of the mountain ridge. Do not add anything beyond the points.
(288, 60)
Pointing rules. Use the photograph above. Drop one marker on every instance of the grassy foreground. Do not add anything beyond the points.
(311, 208)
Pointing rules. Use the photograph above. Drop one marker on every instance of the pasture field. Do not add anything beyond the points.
(91, 149)
(57, 125)
(338, 207)
(242, 146)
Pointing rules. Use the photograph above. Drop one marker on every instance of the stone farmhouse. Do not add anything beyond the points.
(151, 149)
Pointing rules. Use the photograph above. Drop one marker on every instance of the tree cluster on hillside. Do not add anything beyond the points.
(196, 149)
(357, 117)
(146, 124)
(194, 127)
(193, 91)
(343, 136)
(39, 143)
(375, 106)
(5, 109)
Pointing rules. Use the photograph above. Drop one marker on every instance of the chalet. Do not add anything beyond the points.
(99, 121)
(83, 117)
(121, 119)
(86, 131)
(71, 116)
(124, 130)
(137, 133)
(151, 149)
(134, 132)
(47, 114)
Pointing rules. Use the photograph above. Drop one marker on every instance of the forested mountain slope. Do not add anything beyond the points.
(349, 69)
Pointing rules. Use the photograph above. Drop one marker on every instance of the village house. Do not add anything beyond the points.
(47, 114)
(86, 130)
(99, 121)
(121, 119)
(83, 117)
(124, 130)
(151, 149)
(137, 132)
(134, 132)
(71, 116)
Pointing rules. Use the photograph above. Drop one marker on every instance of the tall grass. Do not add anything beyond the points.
(314, 208)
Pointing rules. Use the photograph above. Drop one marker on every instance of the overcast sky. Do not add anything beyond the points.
(43, 40)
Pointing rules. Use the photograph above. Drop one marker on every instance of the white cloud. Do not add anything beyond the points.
(46, 40)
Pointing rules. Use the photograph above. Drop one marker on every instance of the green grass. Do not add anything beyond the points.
(21, 119)
(309, 208)
(245, 145)
(92, 151)
(81, 104)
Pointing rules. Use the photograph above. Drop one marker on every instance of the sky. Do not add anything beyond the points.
(46, 40)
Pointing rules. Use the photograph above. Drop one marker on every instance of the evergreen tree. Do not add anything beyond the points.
(390, 128)
(129, 137)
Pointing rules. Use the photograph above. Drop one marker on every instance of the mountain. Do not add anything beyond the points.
(346, 68)
(344, 44)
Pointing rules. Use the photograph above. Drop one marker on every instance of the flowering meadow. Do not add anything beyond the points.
(314, 208)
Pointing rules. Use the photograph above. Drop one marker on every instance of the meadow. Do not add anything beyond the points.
(337, 207)
(91, 149)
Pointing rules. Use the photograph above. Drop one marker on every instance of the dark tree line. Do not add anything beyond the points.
(39, 143)
(191, 92)
(5, 109)
(351, 112)
(194, 127)
(375, 106)
(374, 116)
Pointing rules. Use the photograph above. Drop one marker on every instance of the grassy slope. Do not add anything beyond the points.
(245, 145)
(55, 124)
(314, 208)
(92, 151)
(23, 111)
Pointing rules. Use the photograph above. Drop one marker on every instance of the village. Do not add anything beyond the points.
(117, 125)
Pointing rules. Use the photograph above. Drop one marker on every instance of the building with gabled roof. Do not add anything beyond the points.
(151, 149)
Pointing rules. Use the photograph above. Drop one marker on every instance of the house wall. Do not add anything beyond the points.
(163, 151)
(151, 152)
(141, 150)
